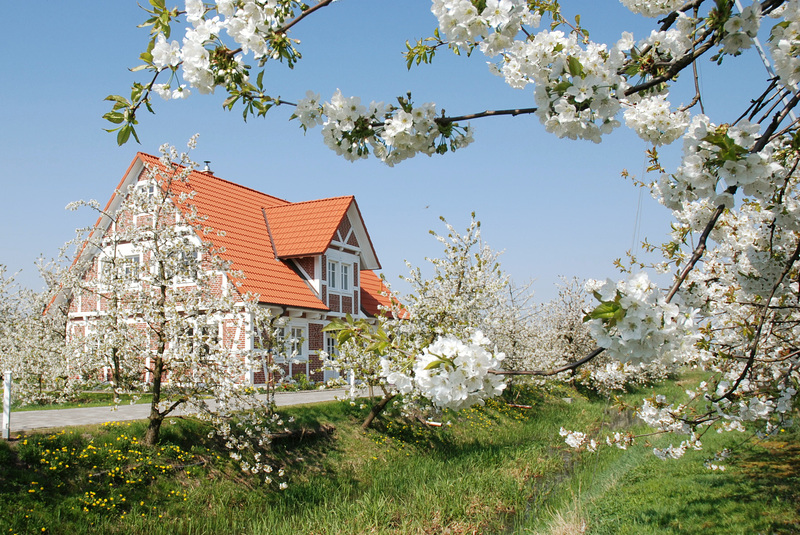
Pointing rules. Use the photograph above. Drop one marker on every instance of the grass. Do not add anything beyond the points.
(496, 469)
(633, 492)
(81, 400)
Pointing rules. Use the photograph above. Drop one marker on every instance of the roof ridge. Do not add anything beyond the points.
(193, 171)
(294, 204)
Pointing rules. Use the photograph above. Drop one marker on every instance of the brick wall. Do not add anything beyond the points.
(315, 368)
(315, 337)
(344, 228)
(307, 264)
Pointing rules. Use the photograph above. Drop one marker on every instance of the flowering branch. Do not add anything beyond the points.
(762, 320)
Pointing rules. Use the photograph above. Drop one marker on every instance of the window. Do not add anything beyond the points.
(201, 340)
(345, 277)
(183, 264)
(330, 346)
(295, 345)
(130, 266)
(107, 268)
(292, 346)
(338, 276)
(332, 274)
(148, 189)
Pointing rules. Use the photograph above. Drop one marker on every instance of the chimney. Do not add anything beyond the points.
(207, 169)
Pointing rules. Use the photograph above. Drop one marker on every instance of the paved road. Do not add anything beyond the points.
(28, 420)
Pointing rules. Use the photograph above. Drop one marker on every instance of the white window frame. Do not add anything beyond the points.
(345, 286)
(339, 280)
(148, 187)
(332, 274)
(131, 262)
(332, 351)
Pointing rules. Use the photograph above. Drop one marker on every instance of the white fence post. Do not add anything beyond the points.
(7, 405)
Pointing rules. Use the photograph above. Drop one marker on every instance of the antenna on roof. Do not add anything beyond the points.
(207, 169)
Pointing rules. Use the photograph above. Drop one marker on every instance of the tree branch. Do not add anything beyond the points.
(756, 337)
(677, 67)
(700, 249)
(303, 15)
(449, 120)
(487, 113)
(573, 366)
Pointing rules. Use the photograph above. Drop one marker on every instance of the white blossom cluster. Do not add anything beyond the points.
(576, 439)
(646, 327)
(652, 8)
(658, 414)
(784, 43)
(716, 158)
(741, 29)
(495, 27)
(436, 339)
(715, 463)
(676, 452)
(450, 373)
(651, 118)
(617, 376)
(201, 61)
(392, 134)
(577, 88)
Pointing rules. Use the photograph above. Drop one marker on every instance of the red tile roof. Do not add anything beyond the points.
(306, 228)
(374, 293)
(298, 230)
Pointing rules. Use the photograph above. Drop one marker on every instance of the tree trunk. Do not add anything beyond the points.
(154, 427)
(376, 410)
(151, 436)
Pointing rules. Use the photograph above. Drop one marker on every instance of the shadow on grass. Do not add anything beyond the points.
(758, 493)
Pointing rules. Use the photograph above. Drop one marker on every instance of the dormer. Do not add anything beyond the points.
(326, 243)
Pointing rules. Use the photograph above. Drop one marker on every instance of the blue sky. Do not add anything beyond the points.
(555, 207)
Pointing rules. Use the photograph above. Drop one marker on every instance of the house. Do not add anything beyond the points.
(308, 262)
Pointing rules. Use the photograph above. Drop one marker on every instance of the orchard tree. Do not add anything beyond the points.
(734, 241)
(554, 335)
(435, 329)
(32, 344)
(156, 309)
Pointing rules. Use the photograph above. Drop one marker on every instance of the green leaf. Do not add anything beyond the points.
(123, 135)
(114, 117)
(435, 364)
(574, 66)
(608, 310)
(334, 325)
(118, 98)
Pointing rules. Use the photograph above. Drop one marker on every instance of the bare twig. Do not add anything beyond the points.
(545, 373)
(487, 113)
(303, 15)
